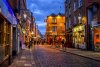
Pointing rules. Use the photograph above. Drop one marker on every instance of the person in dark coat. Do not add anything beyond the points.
(63, 43)
(30, 45)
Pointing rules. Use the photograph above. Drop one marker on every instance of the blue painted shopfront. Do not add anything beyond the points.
(7, 12)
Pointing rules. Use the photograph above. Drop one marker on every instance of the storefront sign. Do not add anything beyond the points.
(7, 12)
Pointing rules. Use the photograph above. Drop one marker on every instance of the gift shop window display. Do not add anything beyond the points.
(78, 37)
(97, 39)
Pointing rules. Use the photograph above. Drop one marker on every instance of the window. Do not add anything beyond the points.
(53, 20)
(94, 8)
(1, 33)
(69, 10)
(79, 3)
(74, 19)
(7, 36)
(54, 28)
(97, 36)
(69, 1)
(69, 23)
(75, 5)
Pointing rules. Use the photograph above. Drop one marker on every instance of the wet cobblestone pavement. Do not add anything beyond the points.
(48, 57)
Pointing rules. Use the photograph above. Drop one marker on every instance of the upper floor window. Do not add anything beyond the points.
(69, 10)
(69, 23)
(80, 3)
(54, 28)
(75, 5)
(66, 12)
(74, 19)
(69, 1)
(54, 20)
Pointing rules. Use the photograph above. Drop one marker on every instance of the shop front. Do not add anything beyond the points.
(5, 41)
(97, 38)
(7, 19)
(79, 37)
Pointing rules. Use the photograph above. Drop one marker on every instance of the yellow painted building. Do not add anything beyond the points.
(55, 27)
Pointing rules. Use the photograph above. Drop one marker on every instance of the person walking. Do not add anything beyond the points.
(63, 44)
(30, 44)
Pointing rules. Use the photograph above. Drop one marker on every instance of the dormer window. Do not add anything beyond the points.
(54, 20)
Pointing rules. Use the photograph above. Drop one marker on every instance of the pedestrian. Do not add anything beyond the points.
(63, 43)
(30, 45)
(34, 42)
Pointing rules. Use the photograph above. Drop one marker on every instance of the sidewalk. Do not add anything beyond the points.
(84, 53)
(24, 59)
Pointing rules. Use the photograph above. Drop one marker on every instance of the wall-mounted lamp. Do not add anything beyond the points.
(32, 32)
(79, 17)
(25, 15)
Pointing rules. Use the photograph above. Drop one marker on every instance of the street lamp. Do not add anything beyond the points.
(79, 18)
(25, 15)
(32, 32)
(84, 20)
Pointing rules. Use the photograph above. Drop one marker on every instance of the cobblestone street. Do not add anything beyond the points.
(48, 57)
(49, 33)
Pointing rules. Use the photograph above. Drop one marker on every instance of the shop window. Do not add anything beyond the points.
(97, 36)
(1, 33)
(7, 37)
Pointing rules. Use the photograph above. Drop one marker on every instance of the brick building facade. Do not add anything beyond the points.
(79, 26)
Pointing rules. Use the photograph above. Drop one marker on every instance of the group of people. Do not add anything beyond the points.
(57, 43)
(34, 42)
(51, 42)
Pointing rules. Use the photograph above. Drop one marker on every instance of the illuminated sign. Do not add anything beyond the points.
(7, 12)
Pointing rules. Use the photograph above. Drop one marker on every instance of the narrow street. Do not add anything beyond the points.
(48, 57)
(49, 33)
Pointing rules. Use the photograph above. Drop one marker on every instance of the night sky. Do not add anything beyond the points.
(42, 8)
